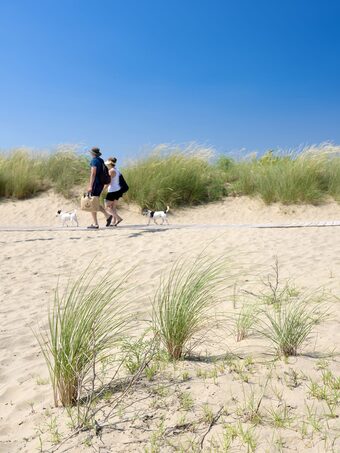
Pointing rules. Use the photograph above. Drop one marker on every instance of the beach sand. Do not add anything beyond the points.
(33, 262)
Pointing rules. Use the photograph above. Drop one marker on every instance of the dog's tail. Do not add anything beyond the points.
(166, 210)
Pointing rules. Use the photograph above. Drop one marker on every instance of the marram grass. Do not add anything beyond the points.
(20, 175)
(24, 174)
(174, 176)
(309, 176)
(85, 323)
(67, 169)
(183, 302)
(245, 321)
(175, 179)
(289, 324)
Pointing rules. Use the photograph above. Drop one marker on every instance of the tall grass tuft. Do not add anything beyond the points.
(245, 321)
(85, 323)
(288, 325)
(183, 302)
(175, 178)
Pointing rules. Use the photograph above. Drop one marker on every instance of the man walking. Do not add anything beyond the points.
(96, 185)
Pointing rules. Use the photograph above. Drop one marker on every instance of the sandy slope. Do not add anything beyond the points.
(40, 211)
(32, 262)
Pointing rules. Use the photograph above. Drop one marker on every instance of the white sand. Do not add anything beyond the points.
(32, 262)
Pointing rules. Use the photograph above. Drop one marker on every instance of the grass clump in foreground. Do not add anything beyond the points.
(155, 389)
(289, 324)
(285, 316)
(183, 302)
(245, 321)
(85, 322)
(178, 178)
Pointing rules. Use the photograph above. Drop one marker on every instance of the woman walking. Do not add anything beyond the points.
(113, 191)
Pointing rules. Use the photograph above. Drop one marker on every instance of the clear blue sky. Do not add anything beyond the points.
(129, 74)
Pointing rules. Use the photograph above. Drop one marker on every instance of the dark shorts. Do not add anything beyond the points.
(111, 196)
(97, 189)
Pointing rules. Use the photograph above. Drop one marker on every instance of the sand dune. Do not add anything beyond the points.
(40, 211)
(32, 263)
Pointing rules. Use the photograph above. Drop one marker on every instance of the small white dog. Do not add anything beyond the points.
(65, 217)
(157, 215)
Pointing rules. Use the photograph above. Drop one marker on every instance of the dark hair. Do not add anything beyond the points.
(113, 160)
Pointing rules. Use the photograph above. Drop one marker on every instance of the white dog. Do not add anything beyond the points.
(70, 216)
(157, 215)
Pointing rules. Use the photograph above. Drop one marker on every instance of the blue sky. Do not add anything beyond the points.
(126, 75)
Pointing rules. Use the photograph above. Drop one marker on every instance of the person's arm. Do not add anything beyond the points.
(92, 178)
(112, 173)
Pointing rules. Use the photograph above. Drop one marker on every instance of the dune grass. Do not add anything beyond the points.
(184, 176)
(175, 177)
(183, 302)
(85, 323)
(23, 174)
(20, 175)
(287, 180)
(288, 325)
(67, 169)
(179, 178)
(245, 321)
(309, 176)
(282, 314)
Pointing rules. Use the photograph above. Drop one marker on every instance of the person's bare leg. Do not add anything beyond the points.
(110, 208)
(95, 218)
(116, 215)
(106, 214)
